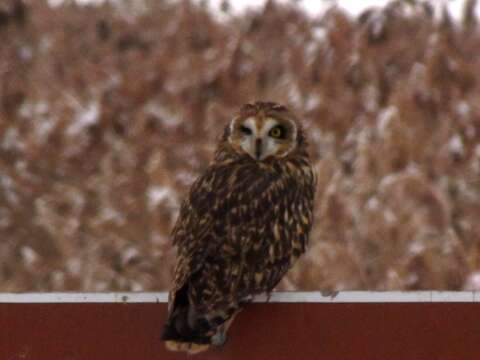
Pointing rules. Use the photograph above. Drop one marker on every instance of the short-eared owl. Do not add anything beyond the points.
(244, 223)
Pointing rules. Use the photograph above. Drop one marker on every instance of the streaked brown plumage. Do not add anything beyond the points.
(244, 223)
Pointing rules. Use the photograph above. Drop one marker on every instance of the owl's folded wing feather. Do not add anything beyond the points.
(214, 213)
(191, 230)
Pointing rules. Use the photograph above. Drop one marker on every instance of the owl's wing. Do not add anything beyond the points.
(193, 234)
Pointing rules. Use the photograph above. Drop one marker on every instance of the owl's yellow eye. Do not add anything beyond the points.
(277, 132)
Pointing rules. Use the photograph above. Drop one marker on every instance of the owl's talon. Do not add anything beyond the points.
(219, 339)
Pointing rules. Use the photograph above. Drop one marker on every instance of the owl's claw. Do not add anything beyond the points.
(219, 339)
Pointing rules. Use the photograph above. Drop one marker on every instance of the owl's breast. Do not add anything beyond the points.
(270, 218)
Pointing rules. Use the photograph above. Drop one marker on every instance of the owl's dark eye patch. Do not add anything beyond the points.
(245, 130)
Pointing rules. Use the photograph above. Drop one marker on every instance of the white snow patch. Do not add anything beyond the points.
(161, 194)
(74, 266)
(29, 255)
(370, 95)
(8, 185)
(108, 214)
(158, 239)
(411, 279)
(385, 118)
(44, 127)
(364, 137)
(294, 94)
(463, 108)
(377, 24)
(353, 7)
(129, 255)
(85, 116)
(11, 140)
(373, 204)
(41, 107)
(388, 180)
(165, 116)
(55, 3)
(136, 287)
(390, 216)
(320, 34)
(473, 281)
(313, 7)
(29, 109)
(455, 145)
(58, 278)
(417, 247)
(393, 274)
(26, 52)
(313, 101)
(185, 178)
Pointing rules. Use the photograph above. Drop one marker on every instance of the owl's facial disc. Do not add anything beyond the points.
(262, 138)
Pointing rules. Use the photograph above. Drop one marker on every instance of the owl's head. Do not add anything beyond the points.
(264, 130)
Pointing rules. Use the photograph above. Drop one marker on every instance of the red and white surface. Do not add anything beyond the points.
(346, 326)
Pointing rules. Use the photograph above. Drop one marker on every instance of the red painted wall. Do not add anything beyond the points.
(415, 331)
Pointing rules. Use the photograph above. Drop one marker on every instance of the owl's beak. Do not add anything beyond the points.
(258, 148)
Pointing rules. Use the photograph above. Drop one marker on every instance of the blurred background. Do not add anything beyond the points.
(110, 109)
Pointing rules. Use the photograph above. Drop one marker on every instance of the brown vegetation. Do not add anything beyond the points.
(108, 113)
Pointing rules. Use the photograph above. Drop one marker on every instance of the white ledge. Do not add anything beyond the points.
(276, 297)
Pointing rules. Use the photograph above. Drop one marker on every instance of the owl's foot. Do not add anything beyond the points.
(219, 339)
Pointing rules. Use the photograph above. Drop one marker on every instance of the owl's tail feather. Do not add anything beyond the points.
(178, 336)
(193, 332)
(183, 331)
(196, 343)
(190, 348)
